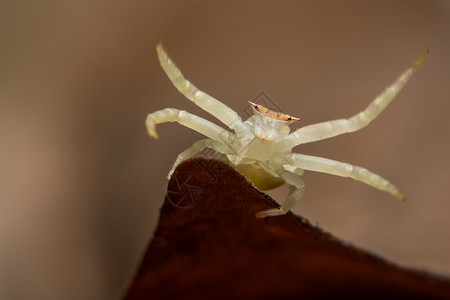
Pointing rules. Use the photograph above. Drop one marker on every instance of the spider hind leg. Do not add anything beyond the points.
(297, 190)
(196, 148)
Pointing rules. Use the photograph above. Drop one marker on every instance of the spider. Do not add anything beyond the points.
(261, 146)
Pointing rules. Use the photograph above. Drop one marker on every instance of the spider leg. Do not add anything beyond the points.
(194, 122)
(297, 190)
(219, 110)
(196, 148)
(319, 164)
(330, 129)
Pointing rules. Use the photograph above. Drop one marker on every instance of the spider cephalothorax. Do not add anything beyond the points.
(261, 146)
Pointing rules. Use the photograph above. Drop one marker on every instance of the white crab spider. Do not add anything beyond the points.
(261, 146)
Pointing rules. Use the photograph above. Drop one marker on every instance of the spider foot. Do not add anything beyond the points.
(151, 127)
(269, 213)
(171, 172)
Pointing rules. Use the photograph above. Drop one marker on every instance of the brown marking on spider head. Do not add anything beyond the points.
(272, 114)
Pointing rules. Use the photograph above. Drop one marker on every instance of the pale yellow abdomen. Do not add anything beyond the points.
(260, 178)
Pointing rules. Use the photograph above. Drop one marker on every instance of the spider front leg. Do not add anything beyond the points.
(319, 164)
(198, 147)
(330, 129)
(189, 120)
(216, 108)
(297, 190)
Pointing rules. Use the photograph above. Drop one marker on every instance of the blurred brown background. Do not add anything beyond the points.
(81, 182)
